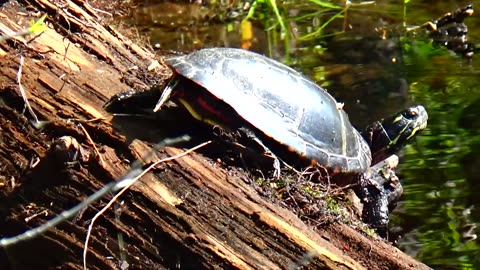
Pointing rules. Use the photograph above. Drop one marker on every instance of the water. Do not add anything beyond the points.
(440, 171)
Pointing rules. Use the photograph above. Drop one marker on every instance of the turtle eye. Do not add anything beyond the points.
(411, 113)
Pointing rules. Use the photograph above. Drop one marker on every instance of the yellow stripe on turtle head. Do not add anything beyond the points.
(398, 118)
(414, 131)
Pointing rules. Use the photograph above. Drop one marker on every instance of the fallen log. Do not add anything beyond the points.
(190, 213)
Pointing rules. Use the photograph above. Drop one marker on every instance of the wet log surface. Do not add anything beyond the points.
(190, 213)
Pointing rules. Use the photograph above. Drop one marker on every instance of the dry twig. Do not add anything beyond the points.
(112, 186)
(131, 182)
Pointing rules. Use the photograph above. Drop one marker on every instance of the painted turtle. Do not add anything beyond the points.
(238, 89)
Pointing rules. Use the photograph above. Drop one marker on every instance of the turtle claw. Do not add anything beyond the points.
(277, 168)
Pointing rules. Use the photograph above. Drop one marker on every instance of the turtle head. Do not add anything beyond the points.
(388, 136)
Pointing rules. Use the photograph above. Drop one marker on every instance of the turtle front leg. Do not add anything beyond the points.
(379, 189)
(276, 161)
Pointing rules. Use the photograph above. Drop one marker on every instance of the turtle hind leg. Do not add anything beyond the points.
(132, 102)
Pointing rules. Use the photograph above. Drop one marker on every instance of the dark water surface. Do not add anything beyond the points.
(376, 69)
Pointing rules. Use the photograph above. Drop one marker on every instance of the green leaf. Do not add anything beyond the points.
(38, 26)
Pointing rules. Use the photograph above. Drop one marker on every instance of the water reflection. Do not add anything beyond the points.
(363, 60)
(185, 27)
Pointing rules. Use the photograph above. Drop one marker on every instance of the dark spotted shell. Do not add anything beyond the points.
(280, 102)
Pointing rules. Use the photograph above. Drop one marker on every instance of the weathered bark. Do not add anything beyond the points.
(190, 213)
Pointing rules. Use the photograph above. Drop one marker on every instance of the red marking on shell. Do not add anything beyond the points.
(337, 170)
(212, 110)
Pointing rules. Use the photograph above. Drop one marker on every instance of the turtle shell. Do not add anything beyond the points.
(281, 103)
